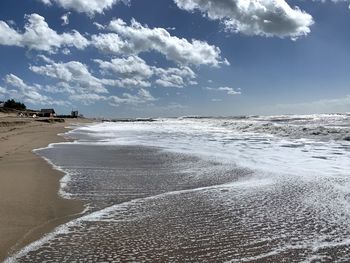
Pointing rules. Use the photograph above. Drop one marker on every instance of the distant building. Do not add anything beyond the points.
(47, 113)
(75, 114)
(2, 103)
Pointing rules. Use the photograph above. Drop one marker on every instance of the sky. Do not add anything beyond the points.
(162, 58)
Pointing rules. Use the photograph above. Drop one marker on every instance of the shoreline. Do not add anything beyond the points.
(30, 204)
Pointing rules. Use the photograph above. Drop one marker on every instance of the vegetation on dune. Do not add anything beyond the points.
(12, 104)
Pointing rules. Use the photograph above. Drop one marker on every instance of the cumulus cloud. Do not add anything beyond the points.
(175, 77)
(254, 17)
(60, 87)
(133, 71)
(38, 35)
(77, 84)
(89, 7)
(136, 38)
(142, 96)
(130, 67)
(87, 98)
(131, 83)
(109, 43)
(73, 72)
(28, 93)
(74, 78)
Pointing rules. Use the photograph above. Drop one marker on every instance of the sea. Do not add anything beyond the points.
(195, 189)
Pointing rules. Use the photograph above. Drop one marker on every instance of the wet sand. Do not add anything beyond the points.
(140, 180)
(149, 205)
(29, 201)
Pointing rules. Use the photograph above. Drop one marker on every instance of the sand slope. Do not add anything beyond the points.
(29, 203)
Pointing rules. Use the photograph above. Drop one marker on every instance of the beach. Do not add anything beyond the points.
(185, 190)
(174, 131)
(29, 202)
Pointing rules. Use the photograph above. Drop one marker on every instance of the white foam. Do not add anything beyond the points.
(100, 216)
(63, 229)
(65, 179)
(209, 138)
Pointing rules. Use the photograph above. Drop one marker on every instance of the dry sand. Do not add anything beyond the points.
(29, 201)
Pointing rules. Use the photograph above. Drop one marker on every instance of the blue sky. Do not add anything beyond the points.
(118, 58)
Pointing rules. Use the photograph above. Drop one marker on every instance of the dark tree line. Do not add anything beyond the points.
(12, 104)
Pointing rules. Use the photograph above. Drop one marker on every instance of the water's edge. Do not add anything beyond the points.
(47, 227)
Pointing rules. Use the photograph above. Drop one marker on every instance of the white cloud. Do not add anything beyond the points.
(230, 91)
(136, 38)
(131, 83)
(27, 93)
(61, 87)
(71, 84)
(66, 51)
(89, 7)
(3, 90)
(45, 58)
(9, 36)
(75, 80)
(130, 67)
(75, 73)
(15, 81)
(38, 35)
(175, 77)
(65, 19)
(133, 71)
(254, 17)
(99, 26)
(109, 43)
(171, 81)
(87, 98)
(143, 96)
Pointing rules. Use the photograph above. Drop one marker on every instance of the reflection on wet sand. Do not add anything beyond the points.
(147, 205)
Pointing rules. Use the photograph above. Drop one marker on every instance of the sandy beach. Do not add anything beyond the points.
(29, 201)
(177, 191)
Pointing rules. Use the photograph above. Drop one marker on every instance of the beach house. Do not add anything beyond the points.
(47, 113)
